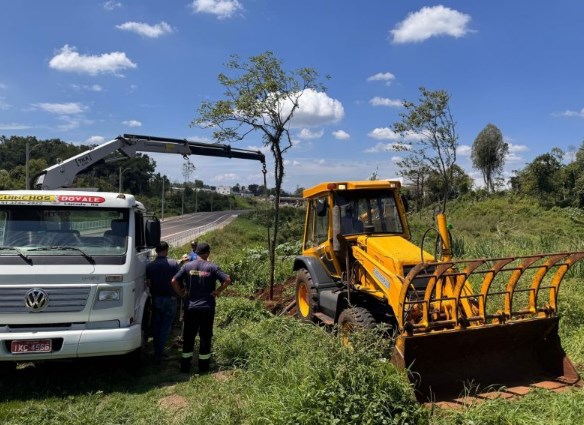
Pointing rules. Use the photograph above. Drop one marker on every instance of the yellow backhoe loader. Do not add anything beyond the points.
(464, 328)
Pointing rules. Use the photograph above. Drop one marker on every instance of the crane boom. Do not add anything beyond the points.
(62, 174)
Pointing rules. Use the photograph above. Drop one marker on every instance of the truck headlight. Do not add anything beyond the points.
(109, 294)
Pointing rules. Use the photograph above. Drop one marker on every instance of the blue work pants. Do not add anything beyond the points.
(163, 314)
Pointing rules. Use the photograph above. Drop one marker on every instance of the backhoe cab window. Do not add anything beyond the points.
(360, 208)
(318, 220)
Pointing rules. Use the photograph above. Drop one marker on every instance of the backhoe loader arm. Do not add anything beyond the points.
(62, 174)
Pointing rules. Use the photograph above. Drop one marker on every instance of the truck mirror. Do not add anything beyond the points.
(152, 232)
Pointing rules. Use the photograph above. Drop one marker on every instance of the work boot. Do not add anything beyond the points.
(203, 366)
(185, 365)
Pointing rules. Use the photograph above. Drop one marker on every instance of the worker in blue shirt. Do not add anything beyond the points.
(159, 274)
(199, 292)
(193, 253)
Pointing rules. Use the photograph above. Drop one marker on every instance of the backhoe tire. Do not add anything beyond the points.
(306, 296)
(352, 320)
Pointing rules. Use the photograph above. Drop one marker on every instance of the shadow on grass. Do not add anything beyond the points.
(58, 378)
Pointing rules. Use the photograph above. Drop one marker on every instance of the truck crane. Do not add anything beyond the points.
(73, 262)
(62, 174)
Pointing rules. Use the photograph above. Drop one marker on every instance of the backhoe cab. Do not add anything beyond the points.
(463, 327)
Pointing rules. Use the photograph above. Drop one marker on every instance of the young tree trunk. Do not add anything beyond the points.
(279, 176)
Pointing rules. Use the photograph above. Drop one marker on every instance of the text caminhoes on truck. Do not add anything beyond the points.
(73, 262)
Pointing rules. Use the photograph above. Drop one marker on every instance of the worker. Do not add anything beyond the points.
(159, 274)
(193, 253)
(199, 292)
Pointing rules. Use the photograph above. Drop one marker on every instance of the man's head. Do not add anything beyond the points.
(194, 245)
(203, 249)
(162, 247)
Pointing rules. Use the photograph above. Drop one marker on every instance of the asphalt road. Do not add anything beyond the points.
(174, 227)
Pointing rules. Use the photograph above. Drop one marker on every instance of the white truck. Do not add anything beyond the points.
(72, 262)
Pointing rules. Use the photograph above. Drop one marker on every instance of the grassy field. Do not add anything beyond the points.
(276, 370)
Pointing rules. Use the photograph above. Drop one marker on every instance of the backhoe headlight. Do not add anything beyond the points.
(109, 294)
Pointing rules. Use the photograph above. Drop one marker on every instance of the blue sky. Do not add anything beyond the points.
(87, 71)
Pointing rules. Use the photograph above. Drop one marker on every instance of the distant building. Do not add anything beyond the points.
(224, 190)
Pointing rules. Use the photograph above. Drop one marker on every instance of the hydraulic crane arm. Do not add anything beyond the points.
(63, 174)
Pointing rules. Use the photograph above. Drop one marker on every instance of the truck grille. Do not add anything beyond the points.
(61, 299)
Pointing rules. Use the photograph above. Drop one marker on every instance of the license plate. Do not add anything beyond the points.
(31, 346)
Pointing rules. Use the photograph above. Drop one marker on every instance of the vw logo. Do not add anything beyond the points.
(36, 299)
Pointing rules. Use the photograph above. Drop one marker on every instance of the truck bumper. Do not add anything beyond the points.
(75, 343)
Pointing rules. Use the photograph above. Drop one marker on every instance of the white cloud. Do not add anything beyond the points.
(69, 60)
(95, 140)
(341, 135)
(388, 134)
(306, 134)
(3, 105)
(92, 87)
(383, 101)
(13, 126)
(463, 150)
(69, 123)
(431, 22)
(387, 147)
(569, 113)
(388, 77)
(146, 30)
(315, 108)
(132, 123)
(61, 108)
(517, 148)
(227, 177)
(396, 158)
(111, 5)
(222, 8)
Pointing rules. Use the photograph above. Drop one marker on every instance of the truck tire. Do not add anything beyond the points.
(354, 319)
(306, 296)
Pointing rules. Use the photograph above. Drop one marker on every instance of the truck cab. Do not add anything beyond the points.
(73, 273)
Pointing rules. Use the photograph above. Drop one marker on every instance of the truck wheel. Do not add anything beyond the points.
(306, 296)
(354, 319)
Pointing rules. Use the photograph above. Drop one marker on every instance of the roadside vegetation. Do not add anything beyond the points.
(273, 369)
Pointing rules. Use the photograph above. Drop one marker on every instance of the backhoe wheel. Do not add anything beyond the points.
(354, 319)
(306, 296)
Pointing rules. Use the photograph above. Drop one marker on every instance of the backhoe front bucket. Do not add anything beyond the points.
(468, 327)
(511, 358)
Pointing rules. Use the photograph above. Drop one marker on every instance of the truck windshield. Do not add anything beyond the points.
(95, 231)
(361, 208)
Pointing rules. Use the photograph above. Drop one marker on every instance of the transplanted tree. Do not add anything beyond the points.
(488, 154)
(262, 97)
(428, 131)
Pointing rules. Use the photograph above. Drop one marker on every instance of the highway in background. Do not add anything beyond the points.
(179, 230)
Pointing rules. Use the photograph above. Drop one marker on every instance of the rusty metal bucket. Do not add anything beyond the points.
(509, 358)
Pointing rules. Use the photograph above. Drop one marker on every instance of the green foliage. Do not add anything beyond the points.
(299, 373)
(488, 154)
(428, 129)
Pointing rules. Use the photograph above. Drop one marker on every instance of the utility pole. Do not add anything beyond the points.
(162, 200)
(188, 168)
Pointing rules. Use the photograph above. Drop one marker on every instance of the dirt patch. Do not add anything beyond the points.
(222, 375)
(173, 403)
(281, 300)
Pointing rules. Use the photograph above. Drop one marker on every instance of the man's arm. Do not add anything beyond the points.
(224, 285)
(178, 289)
